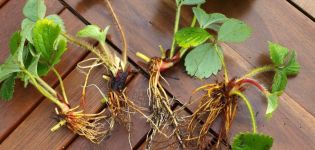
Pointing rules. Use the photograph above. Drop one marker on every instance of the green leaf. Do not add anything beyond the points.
(203, 61)
(58, 21)
(252, 141)
(279, 81)
(34, 9)
(27, 29)
(192, 2)
(191, 37)
(45, 34)
(43, 69)
(33, 66)
(94, 32)
(208, 20)
(234, 30)
(8, 68)
(14, 42)
(7, 88)
(292, 67)
(273, 102)
(278, 53)
(61, 48)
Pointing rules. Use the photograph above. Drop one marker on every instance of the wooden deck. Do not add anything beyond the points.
(26, 120)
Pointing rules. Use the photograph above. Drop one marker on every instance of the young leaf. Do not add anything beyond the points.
(292, 67)
(45, 33)
(279, 81)
(14, 42)
(27, 29)
(272, 99)
(34, 10)
(208, 20)
(203, 61)
(192, 2)
(58, 21)
(252, 141)
(61, 48)
(277, 53)
(94, 32)
(7, 88)
(191, 37)
(234, 30)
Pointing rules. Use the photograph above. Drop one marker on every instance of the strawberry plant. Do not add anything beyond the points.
(34, 51)
(204, 56)
(222, 99)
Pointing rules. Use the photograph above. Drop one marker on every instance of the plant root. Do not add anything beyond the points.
(91, 126)
(162, 115)
(214, 103)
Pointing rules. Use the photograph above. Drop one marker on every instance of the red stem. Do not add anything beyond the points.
(168, 64)
(253, 82)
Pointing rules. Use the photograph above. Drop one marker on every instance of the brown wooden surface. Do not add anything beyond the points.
(148, 23)
(307, 5)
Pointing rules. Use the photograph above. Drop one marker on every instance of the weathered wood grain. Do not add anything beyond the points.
(13, 112)
(307, 5)
(147, 25)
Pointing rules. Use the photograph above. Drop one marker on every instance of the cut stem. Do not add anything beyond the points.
(249, 106)
(123, 37)
(143, 57)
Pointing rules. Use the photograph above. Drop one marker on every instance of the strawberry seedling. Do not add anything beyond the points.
(221, 99)
(203, 58)
(34, 51)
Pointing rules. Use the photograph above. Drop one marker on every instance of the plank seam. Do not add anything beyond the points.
(308, 15)
(140, 69)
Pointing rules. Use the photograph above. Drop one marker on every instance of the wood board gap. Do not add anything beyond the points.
(308, 15)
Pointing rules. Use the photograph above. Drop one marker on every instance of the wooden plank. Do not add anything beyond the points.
(271, 20)
(119, 138)
(2, 2)
(146, 27)
(307, 5)
(24, 100)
